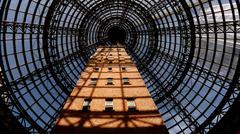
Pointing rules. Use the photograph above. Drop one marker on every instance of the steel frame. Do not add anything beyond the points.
(187, 52)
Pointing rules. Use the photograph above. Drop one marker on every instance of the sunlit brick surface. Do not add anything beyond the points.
(145, 119)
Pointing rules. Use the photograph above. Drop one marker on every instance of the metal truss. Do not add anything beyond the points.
(186, 51)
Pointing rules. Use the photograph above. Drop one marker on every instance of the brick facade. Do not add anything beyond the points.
(110, 76)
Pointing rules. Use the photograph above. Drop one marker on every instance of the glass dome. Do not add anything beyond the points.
(187, 52)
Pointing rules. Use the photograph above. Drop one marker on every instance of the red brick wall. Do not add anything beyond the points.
(145, 120)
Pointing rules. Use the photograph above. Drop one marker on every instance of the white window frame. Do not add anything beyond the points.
(131, 104)
(109, 81)
(126, 81)
(86, 104)
(93, 81)
(109, 104)
(96, 69)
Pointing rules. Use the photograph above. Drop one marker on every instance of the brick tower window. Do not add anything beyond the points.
(109, 69)
(96, 69)
(131, 104)
(93, 81)
(126, 81)
(124, 69)
(109, 104)
(109, 81)
(86, 104)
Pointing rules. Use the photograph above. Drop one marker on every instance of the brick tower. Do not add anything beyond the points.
(110, 98)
